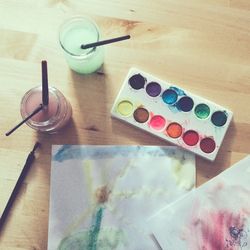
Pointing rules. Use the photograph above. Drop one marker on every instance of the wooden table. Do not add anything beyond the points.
(202, 46)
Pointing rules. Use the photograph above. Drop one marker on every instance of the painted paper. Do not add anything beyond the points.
(215, 216)
(101, 196)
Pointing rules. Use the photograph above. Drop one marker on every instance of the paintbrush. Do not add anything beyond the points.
(27, 165)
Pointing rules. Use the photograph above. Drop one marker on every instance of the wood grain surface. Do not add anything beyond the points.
(200, 45)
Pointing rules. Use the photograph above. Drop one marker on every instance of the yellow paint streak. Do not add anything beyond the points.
(121, 174)
(105, 171)
(87, 172)
(183, 174)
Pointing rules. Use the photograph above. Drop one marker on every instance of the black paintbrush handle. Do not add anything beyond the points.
(45, 85)
(19, 182)
(25, 120)
(100, 43)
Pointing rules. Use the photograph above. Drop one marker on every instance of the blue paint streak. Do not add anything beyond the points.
(173, 108)
(179, 92)
(95, 229)
(68, 152)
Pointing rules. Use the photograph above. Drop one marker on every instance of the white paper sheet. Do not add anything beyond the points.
(101, 195)
(215, 216)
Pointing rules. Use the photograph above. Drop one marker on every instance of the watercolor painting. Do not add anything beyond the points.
(101, 196)
(215, 216)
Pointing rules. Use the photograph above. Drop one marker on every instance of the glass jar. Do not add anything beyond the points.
(72, 34)
(52, 117)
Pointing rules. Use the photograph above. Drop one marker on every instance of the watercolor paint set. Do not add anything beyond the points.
(171, 113)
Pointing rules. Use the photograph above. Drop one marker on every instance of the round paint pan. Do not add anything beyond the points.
(190, 137)
(202, 111)
(157, 123)
(219, 118)
(125, 108)
(153, 89)
(207, 145)
(137, 81)
(141, 115)
(185, 104)
(169, 96)
(174, 130)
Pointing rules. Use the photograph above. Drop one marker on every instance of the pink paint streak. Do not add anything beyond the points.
(216, 230)
(212, 230)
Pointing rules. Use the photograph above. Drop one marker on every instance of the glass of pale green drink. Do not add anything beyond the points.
(75, 32)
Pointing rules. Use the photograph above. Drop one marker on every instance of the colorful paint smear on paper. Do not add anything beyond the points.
(215, 216)
(101, 195)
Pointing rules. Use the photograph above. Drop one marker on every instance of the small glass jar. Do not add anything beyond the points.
(72, 34)
(52, 117)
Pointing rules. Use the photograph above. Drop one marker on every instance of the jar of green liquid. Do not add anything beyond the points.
(75, 32)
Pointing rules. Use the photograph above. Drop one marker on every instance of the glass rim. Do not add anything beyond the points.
(30, 122)
(74, 19)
